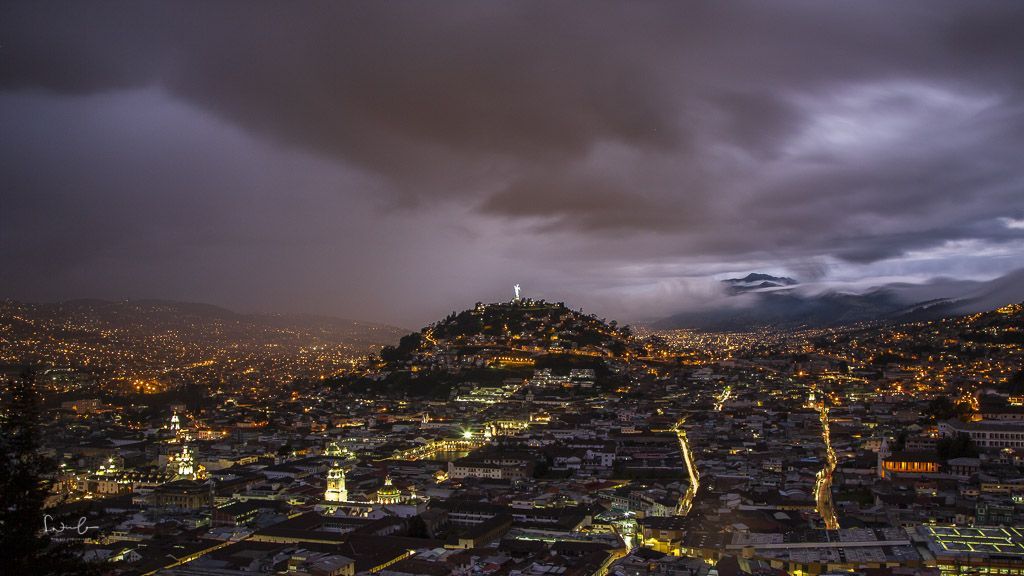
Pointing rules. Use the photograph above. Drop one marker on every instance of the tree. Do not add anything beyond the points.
(25, 481)
(409, 344)
(942, 408)
(901, 439)
(1015, 385)
(959, 446)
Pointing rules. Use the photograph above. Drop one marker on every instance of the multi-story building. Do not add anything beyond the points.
(186, 494)
(976, 550)
(986, 434)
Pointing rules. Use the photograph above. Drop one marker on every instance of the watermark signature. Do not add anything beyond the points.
(80, 527)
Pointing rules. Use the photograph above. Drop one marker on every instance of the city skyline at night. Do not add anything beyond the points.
(519, 288)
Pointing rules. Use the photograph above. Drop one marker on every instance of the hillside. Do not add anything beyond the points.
(970, 347)
(161, 342)
(525, 327)
(494, 342)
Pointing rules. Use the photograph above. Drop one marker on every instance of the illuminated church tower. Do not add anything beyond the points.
(175, 422)
(336, 491)
(186, 464)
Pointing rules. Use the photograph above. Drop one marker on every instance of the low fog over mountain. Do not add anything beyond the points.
(764, 300)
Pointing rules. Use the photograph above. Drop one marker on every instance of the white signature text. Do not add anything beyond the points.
(80, 527)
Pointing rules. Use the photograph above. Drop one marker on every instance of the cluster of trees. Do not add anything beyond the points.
(401, 384)
(959, 446)
(407, 346)
(462, 324)
(942, 408)
(26, 478)
(1003, 337)
(1015, 385)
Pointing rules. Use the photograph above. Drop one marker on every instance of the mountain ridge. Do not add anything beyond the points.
(151, 305)
(896, 302)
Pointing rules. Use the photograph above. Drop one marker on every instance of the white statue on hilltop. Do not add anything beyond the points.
(517, 291)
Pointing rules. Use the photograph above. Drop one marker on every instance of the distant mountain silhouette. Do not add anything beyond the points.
(756, 281)
(782, 306)
(200, 320)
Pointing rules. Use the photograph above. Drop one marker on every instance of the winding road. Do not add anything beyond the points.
(686, 501)
(823, 486)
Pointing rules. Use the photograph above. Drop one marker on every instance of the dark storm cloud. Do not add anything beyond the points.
(395, 88)
(680, 134)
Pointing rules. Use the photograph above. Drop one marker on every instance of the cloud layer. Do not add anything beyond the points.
(394, 161)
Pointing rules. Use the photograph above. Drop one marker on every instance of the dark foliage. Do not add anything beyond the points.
(959, 446)
(1003, 337)
(407, 346)
(942, 408)
(26, 477)
(1015, 385)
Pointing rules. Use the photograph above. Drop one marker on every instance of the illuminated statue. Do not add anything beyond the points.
(517, 291)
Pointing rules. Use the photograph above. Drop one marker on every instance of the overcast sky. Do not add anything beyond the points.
(395, 161)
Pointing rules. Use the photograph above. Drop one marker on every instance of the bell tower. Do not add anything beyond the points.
(336, 490)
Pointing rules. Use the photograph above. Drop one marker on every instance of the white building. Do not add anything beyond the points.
(336, 490)
(998, 434)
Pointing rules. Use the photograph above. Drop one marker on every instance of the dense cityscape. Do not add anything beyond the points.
(528, 438)
(513, 288)
(152, 346)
